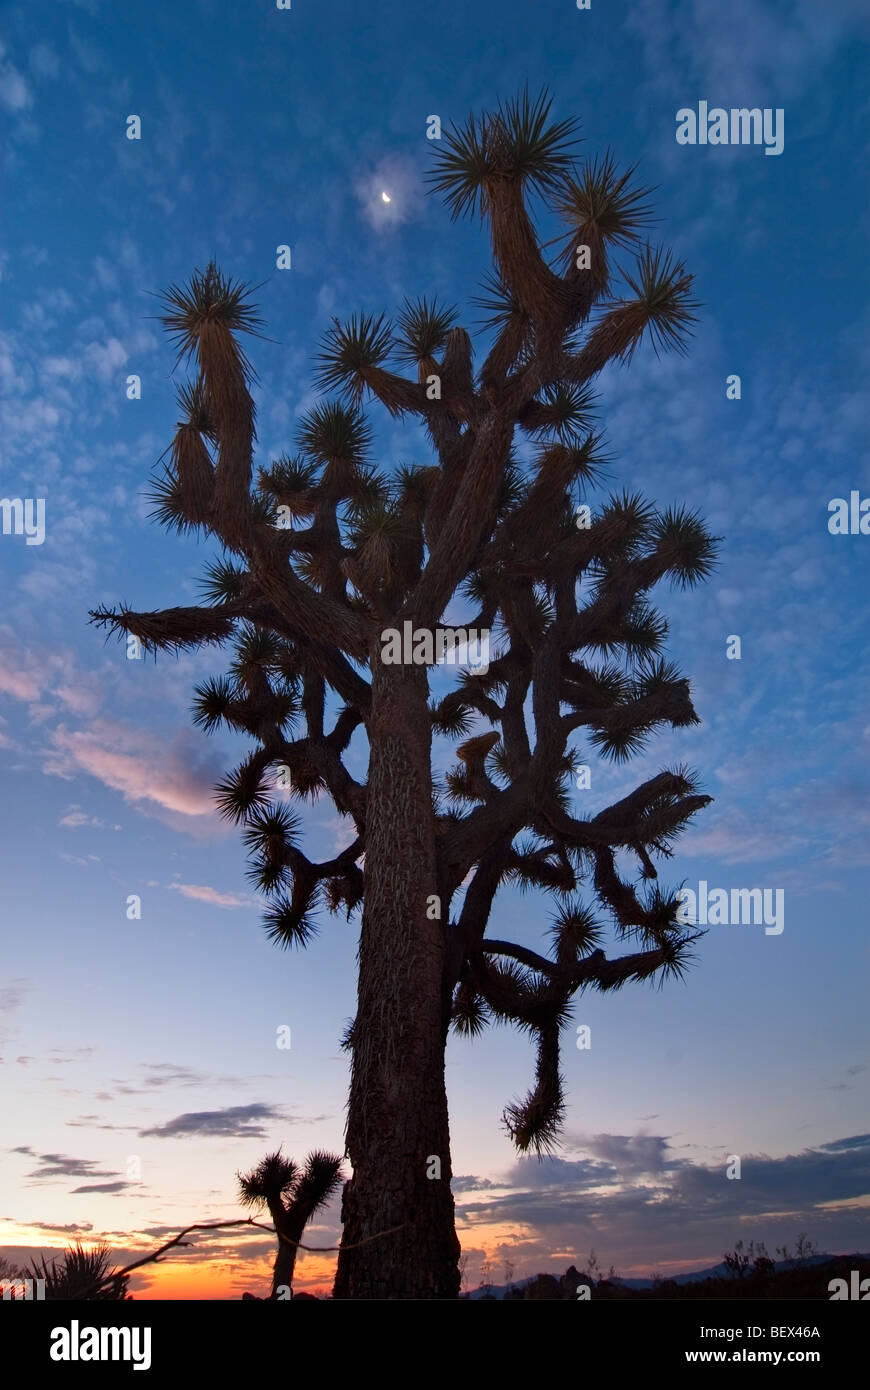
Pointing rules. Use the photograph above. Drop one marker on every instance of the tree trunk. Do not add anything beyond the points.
(282, 1272)
(398, 1138)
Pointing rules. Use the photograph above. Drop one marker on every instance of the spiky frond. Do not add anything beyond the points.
(643, 631)
(209, 297)
(423, 329)
(194, 408)
(243, 791)
(320, 1180)
(619, 745)
(470, 1014)
(576, 932)
(501, 304)
(82, 1273)
(566, 412)
(291, 482)
(369, 490)
(169, 507)
(663, 289)
(535, 1123)
(349, 350)
(275, 1177)
(682, 537)
(255, 647)
(599, 197)
(222, 582)
(213, 703)
(287, 926)
(334, 431)
(172, 629)
(452, 717)
(270, 829)
(511, 491)
(516, 141)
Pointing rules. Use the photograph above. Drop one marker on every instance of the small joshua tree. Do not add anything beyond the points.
(292, 1195)
(325, 554)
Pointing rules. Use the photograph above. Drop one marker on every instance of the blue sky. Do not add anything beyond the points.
(261, 128)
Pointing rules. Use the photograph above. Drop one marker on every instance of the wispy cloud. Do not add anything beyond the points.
(202, 893)
(178, 778)
(15, 93)
(51, 1166)
(231, 1122)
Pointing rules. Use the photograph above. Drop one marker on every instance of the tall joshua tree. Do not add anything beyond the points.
(292, 1195)
(324, 553)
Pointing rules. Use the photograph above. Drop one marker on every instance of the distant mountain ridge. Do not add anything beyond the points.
(719, 1271)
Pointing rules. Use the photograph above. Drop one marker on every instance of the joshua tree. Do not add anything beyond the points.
(325, 556)
(292, 1195)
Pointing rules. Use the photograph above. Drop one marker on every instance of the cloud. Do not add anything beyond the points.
(233, 1122)
(638, 1202)
(17, 681)
(76, 817)
(178, 778)
(168, 1074)
(202, 893)
(28, 676)
(93, 1122)
(398, 179)
(105, 359)
(44, 61)
(72, 1228)
(471, 1184)
(157, 1075)
(15, 92)
(52, 1166)
(739, 54)
(629, 1154)
(64, 1056)
(103, 1187)
(12, 996)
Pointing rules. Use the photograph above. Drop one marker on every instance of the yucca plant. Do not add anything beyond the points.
(292, 1194)
(80, 1273)
(324, 552)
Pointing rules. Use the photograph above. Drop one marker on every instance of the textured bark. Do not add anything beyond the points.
(397, 1117)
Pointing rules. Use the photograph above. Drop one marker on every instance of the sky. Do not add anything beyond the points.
(139, 1070)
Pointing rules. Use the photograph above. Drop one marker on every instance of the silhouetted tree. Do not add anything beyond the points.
(292, 1195)
(325, 556)
(11, 1276)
